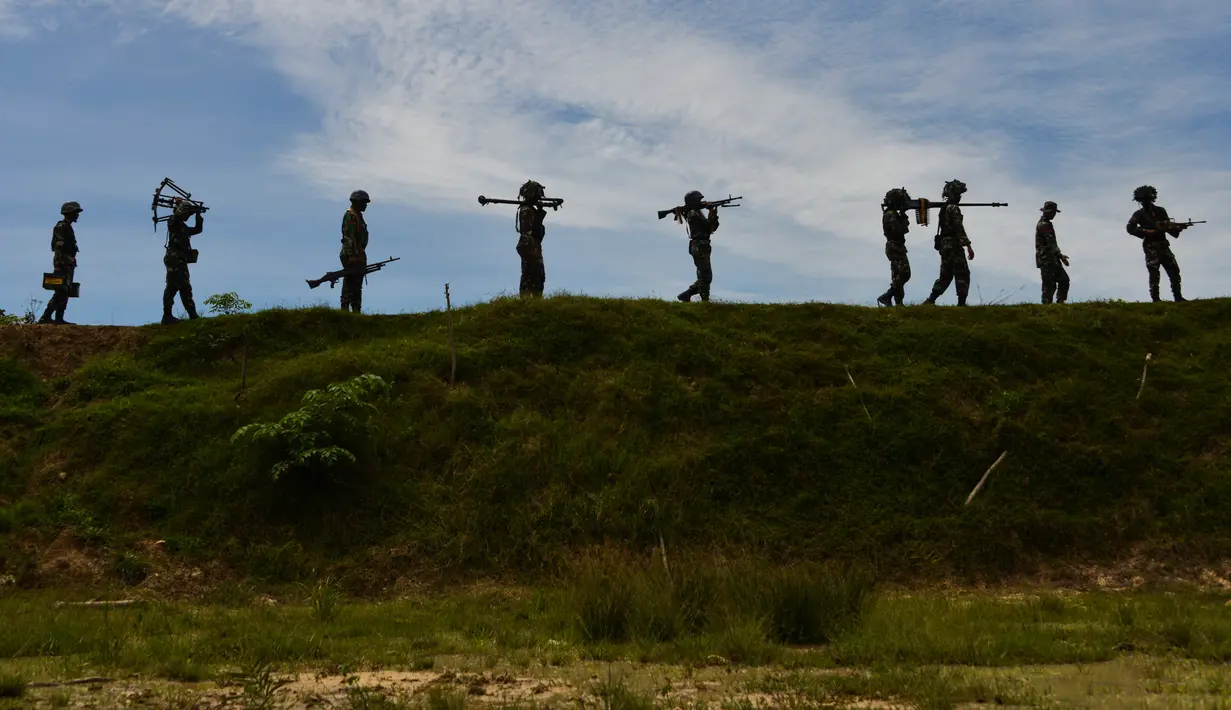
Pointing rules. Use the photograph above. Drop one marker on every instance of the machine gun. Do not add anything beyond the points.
(333, 276)
(923, 204)
(555, 203)
(170, 202)
(679, 211)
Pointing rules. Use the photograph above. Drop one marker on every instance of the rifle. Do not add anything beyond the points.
(924, 204)
(333, 276)
(1180, 225)
(171, 203)
(555, 203)
(679, 211)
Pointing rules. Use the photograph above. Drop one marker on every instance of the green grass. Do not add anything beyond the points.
(581, 422)
(931, 650)
(12, 686)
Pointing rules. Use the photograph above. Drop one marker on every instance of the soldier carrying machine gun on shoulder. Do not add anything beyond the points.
(700, 229)
(704, 204)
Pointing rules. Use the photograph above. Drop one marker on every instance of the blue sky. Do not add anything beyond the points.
(272, 111)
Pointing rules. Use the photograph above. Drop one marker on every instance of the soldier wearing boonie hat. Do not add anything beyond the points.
(1047, 256)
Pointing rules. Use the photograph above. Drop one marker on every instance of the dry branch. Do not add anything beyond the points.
(78, 681)
(984, 479)
(865, 407)
(103, 604)
(1144, 369)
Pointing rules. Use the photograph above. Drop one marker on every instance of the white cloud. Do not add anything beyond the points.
(811, 111)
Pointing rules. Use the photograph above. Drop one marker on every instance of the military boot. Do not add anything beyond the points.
(885, 299)
(60, 317)
(686, 296)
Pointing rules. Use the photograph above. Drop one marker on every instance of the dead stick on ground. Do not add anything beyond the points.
(79, 681)
(865, 407)
(452, 344)
(1145, 368)
(984, 479)
(103, 604)
(663, 548)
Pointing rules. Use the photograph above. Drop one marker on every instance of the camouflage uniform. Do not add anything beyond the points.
(1157, 249)
(895, 225)
(64, 263)
(354, 255)
(530, 233)
(700, 229)
(1047, 258)
(178, 254)
(951, 241)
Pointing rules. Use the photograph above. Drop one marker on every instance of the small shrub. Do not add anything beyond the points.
(227, 304)
(307, 438)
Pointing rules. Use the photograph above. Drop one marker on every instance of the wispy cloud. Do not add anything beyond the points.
(437, 101)
(810, 110)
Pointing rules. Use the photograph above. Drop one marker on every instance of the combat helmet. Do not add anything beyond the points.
(184, 207)
(953, 188)
(531, 190)
(69, 208)
(897, 199)
(1145, 193)
(693, 198)
(360, 196)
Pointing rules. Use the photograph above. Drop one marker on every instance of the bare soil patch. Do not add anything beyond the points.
(52, 351)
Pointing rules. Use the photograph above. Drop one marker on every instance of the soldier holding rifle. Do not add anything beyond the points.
(1151, 225)
(354, 254)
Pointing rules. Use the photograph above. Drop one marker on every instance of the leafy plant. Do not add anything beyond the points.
(9, 318)
(227, 304)
(307, 438)
(324, 600)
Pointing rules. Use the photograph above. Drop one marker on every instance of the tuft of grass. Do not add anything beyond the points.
(325, 600)
(12, 686)
(613, 693)
(618, 598)
(129, 567)
(112, 375)
(262, 688)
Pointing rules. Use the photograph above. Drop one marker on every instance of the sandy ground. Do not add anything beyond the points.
(1125, 683)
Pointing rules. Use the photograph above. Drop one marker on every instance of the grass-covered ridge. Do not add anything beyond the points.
(579, 421)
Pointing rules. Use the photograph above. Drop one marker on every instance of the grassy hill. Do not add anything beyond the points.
(792, 432)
